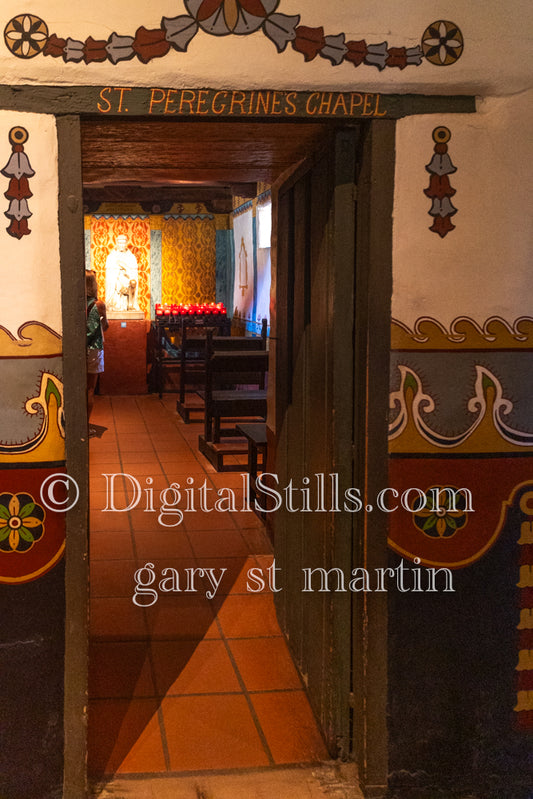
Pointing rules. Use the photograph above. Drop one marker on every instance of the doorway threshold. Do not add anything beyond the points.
(330, 780)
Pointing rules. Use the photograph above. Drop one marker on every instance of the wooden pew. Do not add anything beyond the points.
(165, 355)
(235, 390)
(217, 342)
(197, 345)
(193, 348)
(256, 437)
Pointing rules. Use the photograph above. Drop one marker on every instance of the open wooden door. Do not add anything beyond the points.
(322, 343)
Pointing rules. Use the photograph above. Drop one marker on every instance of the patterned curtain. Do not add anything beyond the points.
(104, 231)
(188, 260)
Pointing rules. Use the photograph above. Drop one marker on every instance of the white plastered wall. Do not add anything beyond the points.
(482, 268)
(29, 267)
(496, 58)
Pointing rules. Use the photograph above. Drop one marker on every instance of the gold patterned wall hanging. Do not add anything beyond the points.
(188, 257)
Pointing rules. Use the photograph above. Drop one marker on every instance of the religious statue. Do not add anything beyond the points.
(121, 278)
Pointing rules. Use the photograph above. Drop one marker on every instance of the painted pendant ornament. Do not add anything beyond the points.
(439, 189)
(19, 170)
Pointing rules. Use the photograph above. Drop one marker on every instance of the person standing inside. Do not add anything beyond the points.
(96, 325)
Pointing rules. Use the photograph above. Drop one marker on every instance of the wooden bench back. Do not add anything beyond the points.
(232, 368)
(193, 352)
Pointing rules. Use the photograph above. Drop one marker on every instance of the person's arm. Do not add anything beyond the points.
(93, 324)
(100, 304)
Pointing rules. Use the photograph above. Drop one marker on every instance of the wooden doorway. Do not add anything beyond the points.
(335, 326)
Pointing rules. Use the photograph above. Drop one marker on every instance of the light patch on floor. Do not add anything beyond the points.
(327, 781)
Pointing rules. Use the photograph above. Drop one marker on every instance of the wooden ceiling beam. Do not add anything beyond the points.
(170, 153)
(152, 176)
(127, 130)
(217, 199)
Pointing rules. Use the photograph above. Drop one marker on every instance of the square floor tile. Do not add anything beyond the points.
(193, 667)
(139, 468)
(104, 462)
(105, 445)
(106, 521)
(235, 577)
(120, 669)
(116, 619)
(233, 480)
(112, 577)
(130, 442)
(189, 485)
(181, 617)
(131, 428)
(197, 468)
(97, 500)
(124, 737)
(98, 481)
(211, 732)
(265, 664)
(162, 543)
(110, 545)
(152, 490)
(248, 519)
(290, 727)
(247, 616)
(257, 540)
(168, 441)
(217, 543)
(175, 449)
(148, 521)
(114, 497)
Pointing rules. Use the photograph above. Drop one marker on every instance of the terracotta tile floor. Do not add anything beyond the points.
(190, 683)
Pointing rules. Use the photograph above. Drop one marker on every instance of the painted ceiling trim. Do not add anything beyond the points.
(27, 36)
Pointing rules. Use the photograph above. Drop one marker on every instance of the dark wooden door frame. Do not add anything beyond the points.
(375, 191)
(72, 265)
(373, 296)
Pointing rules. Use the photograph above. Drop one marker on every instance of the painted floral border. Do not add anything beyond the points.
(27, 35)
(463, 332)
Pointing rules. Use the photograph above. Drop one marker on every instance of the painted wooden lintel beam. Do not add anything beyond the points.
(319, 105)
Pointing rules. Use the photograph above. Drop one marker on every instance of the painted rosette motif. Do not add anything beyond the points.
(32, 537)
(21, 522)
(452, 533)
(443, 514)
(221, 17)
(442, 43)
(26, 35)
